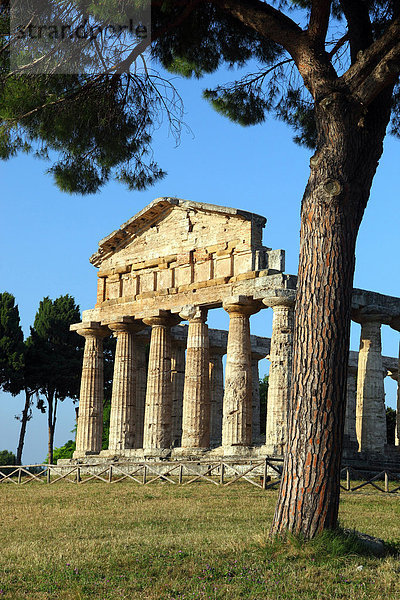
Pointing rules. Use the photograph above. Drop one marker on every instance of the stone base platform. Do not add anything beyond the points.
(390, 460)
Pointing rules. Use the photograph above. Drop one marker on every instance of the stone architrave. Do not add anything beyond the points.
(237, 413)
(196, 395)
(350, 436)
(123, 400)
(158, 409)
(280, 371)
(141, 384)
(178, 383)
(90, 416)
(370, 408)
(216, 374)
(255, 358)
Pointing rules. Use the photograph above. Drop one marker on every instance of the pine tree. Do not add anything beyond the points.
(11, 346)
(56, 357)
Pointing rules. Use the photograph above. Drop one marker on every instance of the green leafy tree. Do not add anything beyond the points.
(65, 451)
(7, 458)
(56, 357)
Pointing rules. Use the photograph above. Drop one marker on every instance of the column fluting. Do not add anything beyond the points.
(123, 400)
(158, 409)
(237, 405)
(255, 358)
(141, 385)
(90, 415)
(370, 408)
(196, 395)
(216, 374)
(280, 372)
(350, 436)
(178, 384)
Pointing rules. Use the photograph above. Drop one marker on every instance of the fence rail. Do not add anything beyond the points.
(264, 474)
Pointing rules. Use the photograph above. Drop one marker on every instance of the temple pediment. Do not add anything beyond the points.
(173, 246)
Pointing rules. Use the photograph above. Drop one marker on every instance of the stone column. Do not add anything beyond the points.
(255, 358)
(157, 418)
(123, 400)
(216, 374)
(141, 384)
(370, 409)
(237, 414)
(196, 395)
(178, 382)
(280, 370)
(350, 436)
(90, 417)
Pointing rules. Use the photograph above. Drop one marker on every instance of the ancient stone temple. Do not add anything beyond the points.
(159, 275)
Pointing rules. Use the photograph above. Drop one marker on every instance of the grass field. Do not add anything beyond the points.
(164, 542)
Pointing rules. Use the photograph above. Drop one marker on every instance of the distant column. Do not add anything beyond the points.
(280, 371)
(196, 395)
(157, 419)
(237, 413)
(123, 400)
(178, 382)
(216, 371)
(370, 409)
(90, 417)
(350, 436)
(255, 358)
(141, 384)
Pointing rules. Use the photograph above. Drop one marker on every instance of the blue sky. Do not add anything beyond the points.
(47, 236)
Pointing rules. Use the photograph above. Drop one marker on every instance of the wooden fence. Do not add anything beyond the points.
(264, 474)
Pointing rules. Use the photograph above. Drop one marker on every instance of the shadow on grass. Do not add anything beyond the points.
(331, 544)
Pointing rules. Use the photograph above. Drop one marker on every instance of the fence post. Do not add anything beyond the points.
(221, 474)
(180, 473)
(78, 474)
(348, 479)
(48, 474)
(19, 475)
(144, 474)
(110, 474)
(386, 482)
(264, 483)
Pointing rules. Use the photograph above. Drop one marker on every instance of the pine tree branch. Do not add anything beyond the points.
(359, 26)
(313, 64)
(377, 67)
(319, 21)
(385, 74)
(125, 65)
(267, 21)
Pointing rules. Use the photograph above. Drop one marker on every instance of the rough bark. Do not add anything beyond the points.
(333, 204)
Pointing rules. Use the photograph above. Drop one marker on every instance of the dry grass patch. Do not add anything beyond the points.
(166, 542)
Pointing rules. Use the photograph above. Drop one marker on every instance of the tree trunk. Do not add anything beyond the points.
(24, 420)
(51, 420)
(350, 144)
